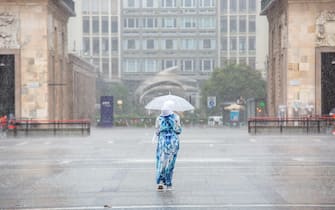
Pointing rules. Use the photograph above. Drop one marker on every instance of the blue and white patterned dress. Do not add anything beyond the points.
(168, 129)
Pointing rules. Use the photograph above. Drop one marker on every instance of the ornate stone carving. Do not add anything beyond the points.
(8, 30)
(325, 33)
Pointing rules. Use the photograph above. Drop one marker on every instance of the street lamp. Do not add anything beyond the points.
(119, 103)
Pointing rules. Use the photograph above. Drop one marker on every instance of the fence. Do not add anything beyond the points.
(306, 125)
(49, 127)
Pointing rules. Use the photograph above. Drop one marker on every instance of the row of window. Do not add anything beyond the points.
(238, 24)
(171, 22)
(242, 44)
(154, 65)
(94, 44)
(238, 5)
(169, 44)
(107, 6)
(102, 6)
(94, 23)
(169, 3)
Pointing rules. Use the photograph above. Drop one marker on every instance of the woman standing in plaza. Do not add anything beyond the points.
(168, 129)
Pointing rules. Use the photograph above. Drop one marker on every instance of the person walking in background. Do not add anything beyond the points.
(168, 129)
(3, 125)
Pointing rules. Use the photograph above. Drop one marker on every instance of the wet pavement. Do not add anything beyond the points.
(217, 168)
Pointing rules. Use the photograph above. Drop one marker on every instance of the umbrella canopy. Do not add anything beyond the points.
(234, 107)
(178, 104)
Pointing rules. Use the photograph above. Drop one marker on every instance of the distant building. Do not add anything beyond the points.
(133, 40)
(37, 77)
(301, 62)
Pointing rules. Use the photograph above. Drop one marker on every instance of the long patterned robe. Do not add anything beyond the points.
(168, 129)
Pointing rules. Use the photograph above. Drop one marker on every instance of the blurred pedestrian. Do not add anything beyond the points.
(3, 125)
(168, 129)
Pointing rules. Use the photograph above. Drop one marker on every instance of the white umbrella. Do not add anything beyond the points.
(178, 104)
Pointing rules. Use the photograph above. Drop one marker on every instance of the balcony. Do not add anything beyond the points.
(68, 5)
(266, 4)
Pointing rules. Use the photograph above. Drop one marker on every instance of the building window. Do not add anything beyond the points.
(233, 6)
(252, 24)
(187, 65)
(130, 44)
(104, 6)
(224, 24)
(243, 5)
(131, 65)
(85, 6)
(233, 44)
(169, 44)
(86, 25)
(105, 67)
(224, 6)
(95, 6)
(114, 7)
(207, 44)
(105, 46)
(86, 46)
(115, 45)
(252, 62)
(131, 4)
(207, 22)
(168, 3)
(168, 63)
(104, 24)
(95, 24)
(150, 65)
(189, 22)
(96, 46)
(169, 22)
(131, 23)
(114, 25)
(224, 44)
(148, 3)
(233, 24)
(207, 65)
(150, 44)
(242, 44)
(115, 68)
(252, 5)
(207, 3)
(243, 24)
(188, 44)
(150, 23)
(252, 43)
(188, 3)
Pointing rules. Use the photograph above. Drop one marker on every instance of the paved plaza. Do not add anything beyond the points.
(217, 168)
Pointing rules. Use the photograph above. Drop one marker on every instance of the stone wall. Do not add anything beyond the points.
(296, 30)
(82, 76)
(35, 32)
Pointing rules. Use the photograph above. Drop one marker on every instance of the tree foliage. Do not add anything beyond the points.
(233, 81)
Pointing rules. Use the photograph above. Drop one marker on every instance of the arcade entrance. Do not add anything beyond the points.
(7, 85)
(327, 81)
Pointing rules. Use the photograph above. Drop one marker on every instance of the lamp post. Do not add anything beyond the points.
(119, 104)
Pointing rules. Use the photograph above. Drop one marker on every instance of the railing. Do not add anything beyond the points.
(49, 127)
(305, 125)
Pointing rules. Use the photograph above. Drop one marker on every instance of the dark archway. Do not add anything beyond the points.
(7, 84)
(327, 81)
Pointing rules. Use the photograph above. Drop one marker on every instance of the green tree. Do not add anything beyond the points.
(233, 81)
(119, 91)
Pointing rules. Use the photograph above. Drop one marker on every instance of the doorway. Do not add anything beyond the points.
(7, 85)
(327, 82)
